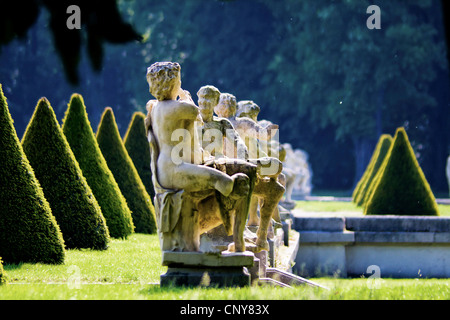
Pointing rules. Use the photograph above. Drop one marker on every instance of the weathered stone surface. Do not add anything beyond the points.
(214, 277)
(200, 259)
(329, 224)
(398, 223)
(399, 246)
(394, 237)
(326, 237)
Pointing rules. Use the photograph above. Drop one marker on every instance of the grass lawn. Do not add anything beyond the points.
(130, 269)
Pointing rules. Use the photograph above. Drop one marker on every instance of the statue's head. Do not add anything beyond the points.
(164, 80)
(208, 98)
(227, 106)
(247, 108)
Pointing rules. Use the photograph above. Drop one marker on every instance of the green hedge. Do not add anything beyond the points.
(28, 229)
(400, 186)
(73, 204)
(2, 273)
(138, 148)
(125, 173)
(82, 141)
(382, 148)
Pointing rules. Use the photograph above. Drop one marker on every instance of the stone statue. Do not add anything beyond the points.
(219, 136)
(194, 192)
(297, 169)
(268, 191)
(295, 162)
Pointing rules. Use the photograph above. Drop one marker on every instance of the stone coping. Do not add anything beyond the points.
(381, 223)
(398, 223)
(352, 237)
(373, 229)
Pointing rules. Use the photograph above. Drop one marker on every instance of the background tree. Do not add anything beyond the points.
(100, 19)
(297, 59)
(361, 82)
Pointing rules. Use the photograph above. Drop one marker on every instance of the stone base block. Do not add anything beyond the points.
(227, 269)
(202, 259)
(207, 277)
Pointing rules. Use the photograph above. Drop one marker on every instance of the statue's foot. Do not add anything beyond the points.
(253, 220)
(262, 244)
(249, 235)
(232, 247)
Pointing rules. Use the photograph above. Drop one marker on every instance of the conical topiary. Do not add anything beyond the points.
(82, 141)
(28, 229)
(382, 148)
(126, 175)
(2, 273)
(401, 187)
(73, 204)
(138, 148)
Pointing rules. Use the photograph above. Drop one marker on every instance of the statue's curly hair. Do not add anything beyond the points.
(226, 106)
(161, 78)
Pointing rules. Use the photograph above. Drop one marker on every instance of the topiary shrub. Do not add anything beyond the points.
(126, 175)
(28, 229)
(382, 148)
(138, 148)
(82, 141)
(400, 185)
(2, 273)
(73, 204)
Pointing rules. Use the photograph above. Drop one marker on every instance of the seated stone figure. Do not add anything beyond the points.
(273, 148)
(219, 138)
(191, 197)
(268, 191)
(295, 167)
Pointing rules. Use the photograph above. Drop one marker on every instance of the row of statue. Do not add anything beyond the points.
(211, 170)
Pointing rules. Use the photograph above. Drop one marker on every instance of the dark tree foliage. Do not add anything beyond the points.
(312, 66)
(2, 273)
(101, 18)
(28, 229)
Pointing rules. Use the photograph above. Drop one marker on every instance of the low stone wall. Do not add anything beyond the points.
(382, 246)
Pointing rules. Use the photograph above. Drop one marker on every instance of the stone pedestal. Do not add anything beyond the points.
(207, 269)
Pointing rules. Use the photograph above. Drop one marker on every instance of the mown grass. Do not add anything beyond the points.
(130, 269)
